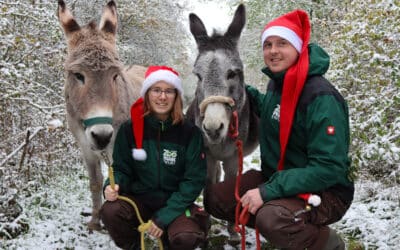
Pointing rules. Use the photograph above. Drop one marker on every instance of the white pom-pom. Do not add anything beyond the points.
(314, 200)
(139, 154)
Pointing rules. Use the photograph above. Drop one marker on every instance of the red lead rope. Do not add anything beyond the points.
(241, 216)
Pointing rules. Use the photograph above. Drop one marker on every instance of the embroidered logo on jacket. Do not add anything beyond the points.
(169, 156)
(330, 130)
(276, 113)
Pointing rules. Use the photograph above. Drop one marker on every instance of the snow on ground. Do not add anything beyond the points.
(374, 216)
(55, 215)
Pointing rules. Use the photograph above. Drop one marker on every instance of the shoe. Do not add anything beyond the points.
(334, 242)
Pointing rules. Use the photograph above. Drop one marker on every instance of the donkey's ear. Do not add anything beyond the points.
(109, 20)
(238, 22)
(66, 19)
(197, 28)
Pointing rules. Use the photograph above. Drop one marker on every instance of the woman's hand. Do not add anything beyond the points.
(111, 194)
(155, 231)
(252, 198)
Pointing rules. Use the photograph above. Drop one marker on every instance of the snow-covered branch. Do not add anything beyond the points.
(36, 131)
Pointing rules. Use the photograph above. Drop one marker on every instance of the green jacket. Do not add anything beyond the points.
(317, 151)
(175, 168)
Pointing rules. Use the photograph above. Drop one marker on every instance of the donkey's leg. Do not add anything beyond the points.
(96, 183)
(230, 168)
(213, 170)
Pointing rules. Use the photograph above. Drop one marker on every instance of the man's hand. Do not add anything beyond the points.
(155, 231)
(111, 194)
(252, 198)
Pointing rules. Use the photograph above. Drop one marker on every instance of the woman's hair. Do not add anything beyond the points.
(177, 108)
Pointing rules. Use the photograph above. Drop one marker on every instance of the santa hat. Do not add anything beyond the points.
(137, 113)
(161, 73)
(311, 199)
(294, 27)
(291, 26)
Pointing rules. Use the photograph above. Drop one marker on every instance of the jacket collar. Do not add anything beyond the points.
(156, 123)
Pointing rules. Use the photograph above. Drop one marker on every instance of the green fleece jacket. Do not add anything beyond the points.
(174, 171)
(317, 151)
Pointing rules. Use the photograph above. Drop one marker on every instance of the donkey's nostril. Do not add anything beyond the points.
(213, 133)
(102, 139)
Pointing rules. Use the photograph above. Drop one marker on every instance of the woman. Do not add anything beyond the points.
(304, 143)
(159, 163)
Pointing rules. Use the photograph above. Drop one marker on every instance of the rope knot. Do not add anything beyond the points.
(144, 226)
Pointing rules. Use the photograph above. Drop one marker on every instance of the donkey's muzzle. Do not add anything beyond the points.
(101, 139)
(99, 130)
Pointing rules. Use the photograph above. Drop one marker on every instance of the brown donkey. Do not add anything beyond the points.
(98, 91)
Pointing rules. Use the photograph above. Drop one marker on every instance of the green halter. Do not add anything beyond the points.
(97, 120)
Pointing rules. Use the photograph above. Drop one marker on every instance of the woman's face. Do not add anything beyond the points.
(162, 98)
(279, 54)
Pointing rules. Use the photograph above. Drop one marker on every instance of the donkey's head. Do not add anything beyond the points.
(92, 71)
(219, 69)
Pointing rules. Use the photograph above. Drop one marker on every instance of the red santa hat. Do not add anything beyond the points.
(137, 118)
(311, 199)
(161, 73)
(290, 26)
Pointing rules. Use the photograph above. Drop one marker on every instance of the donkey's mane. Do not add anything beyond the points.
(216, 41)
(95, 56)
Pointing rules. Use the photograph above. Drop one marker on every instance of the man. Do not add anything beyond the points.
(304, 142)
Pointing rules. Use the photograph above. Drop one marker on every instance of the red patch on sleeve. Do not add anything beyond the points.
(330, 130)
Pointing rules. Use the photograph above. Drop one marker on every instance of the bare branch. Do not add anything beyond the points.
(7, 96)
(21, 146)
(21, 162)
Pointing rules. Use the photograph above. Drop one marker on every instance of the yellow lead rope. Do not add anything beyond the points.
(143, 227)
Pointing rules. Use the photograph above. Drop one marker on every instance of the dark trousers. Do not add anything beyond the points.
(283, 222)
(119, 218)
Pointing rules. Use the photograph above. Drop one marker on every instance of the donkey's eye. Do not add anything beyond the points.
(80, 77)
(231, 74)
(115, 77)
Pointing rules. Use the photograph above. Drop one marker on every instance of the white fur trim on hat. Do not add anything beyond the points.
(162, 75)
(285, 33)
(139, 154)
(314, 200)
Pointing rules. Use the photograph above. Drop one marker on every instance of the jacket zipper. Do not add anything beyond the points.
(159, 154)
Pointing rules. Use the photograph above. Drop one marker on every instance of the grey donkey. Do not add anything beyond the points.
(221, 100)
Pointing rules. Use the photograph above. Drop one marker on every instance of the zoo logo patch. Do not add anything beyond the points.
(169, 156)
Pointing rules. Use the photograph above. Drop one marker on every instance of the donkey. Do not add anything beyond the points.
(220, 93)
(98, 92)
